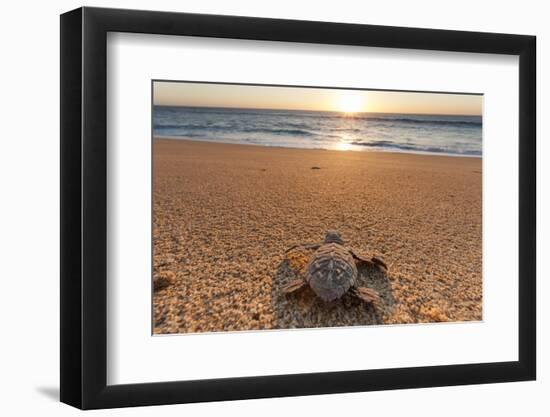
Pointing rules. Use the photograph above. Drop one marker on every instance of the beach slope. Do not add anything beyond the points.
(224, 214)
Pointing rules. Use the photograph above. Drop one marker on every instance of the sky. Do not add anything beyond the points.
(318, 99)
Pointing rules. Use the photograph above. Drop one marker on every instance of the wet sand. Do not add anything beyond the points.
(225, 214)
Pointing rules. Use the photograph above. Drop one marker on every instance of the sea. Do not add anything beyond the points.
(410, 133)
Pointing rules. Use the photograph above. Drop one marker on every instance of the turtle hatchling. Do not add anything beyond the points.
(332, 271)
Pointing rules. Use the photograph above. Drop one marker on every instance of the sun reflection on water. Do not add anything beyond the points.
(343, 146)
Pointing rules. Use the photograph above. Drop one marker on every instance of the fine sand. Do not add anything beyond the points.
(225, 214)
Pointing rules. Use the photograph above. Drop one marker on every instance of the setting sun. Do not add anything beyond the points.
(350, 102)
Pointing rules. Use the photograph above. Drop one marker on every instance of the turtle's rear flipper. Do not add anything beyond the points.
(367, 295)
(293, 285)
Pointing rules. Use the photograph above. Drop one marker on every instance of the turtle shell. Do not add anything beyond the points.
(331, 271)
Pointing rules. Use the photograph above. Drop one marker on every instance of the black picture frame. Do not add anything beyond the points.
(84, 207)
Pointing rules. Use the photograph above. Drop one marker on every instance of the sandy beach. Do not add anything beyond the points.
(224, 215)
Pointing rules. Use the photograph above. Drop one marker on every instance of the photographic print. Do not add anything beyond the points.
(283, 207)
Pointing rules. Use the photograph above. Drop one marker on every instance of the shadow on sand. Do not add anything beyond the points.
(303, 309)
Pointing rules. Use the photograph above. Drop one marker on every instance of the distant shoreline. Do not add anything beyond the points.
(315, 111)
(355, 148)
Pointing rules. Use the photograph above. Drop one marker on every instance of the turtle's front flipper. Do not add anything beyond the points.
(294, 285)
(304, 246)
(376, 262)
(379, 262)
(368, 295)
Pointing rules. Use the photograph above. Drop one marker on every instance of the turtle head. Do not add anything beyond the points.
(332, 236)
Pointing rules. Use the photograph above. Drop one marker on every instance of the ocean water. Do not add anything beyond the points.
(433, 134)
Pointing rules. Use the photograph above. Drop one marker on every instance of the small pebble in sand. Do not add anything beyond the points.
(163, 279)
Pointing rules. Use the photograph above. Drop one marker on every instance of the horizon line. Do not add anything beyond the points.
(307, 110)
